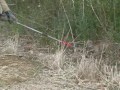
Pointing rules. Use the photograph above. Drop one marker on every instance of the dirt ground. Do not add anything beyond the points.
(19, 74)
(23, 67)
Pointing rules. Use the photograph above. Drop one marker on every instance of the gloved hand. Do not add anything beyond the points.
(10, 17)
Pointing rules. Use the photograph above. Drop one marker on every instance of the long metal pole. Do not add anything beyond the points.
(38, 31)
(63, 42)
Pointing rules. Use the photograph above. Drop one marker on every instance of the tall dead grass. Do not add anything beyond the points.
(10, 45)
(86, 67)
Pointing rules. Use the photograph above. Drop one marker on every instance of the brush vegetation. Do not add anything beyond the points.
(93, 64)
(84, 19)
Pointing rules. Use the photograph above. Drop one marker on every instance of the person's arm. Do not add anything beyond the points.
(4, 6)
(10, 16)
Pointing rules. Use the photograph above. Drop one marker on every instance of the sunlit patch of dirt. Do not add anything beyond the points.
(13, 70)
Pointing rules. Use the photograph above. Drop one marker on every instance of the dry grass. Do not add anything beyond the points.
(78, 70)
(14, 70)
(10, 46)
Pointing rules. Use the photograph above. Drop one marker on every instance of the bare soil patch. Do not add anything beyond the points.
(13, 70)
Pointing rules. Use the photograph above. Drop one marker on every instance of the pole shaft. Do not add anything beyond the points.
(38, 31)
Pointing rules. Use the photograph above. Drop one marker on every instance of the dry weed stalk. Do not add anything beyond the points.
(58, 59)
(111, 76)
(87, 68)
(10, 46)
(91, 70)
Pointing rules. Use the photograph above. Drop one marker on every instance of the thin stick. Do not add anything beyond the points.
(67, 19)
(83, 10)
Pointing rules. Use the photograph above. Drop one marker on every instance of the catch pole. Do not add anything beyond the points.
(30, 28)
